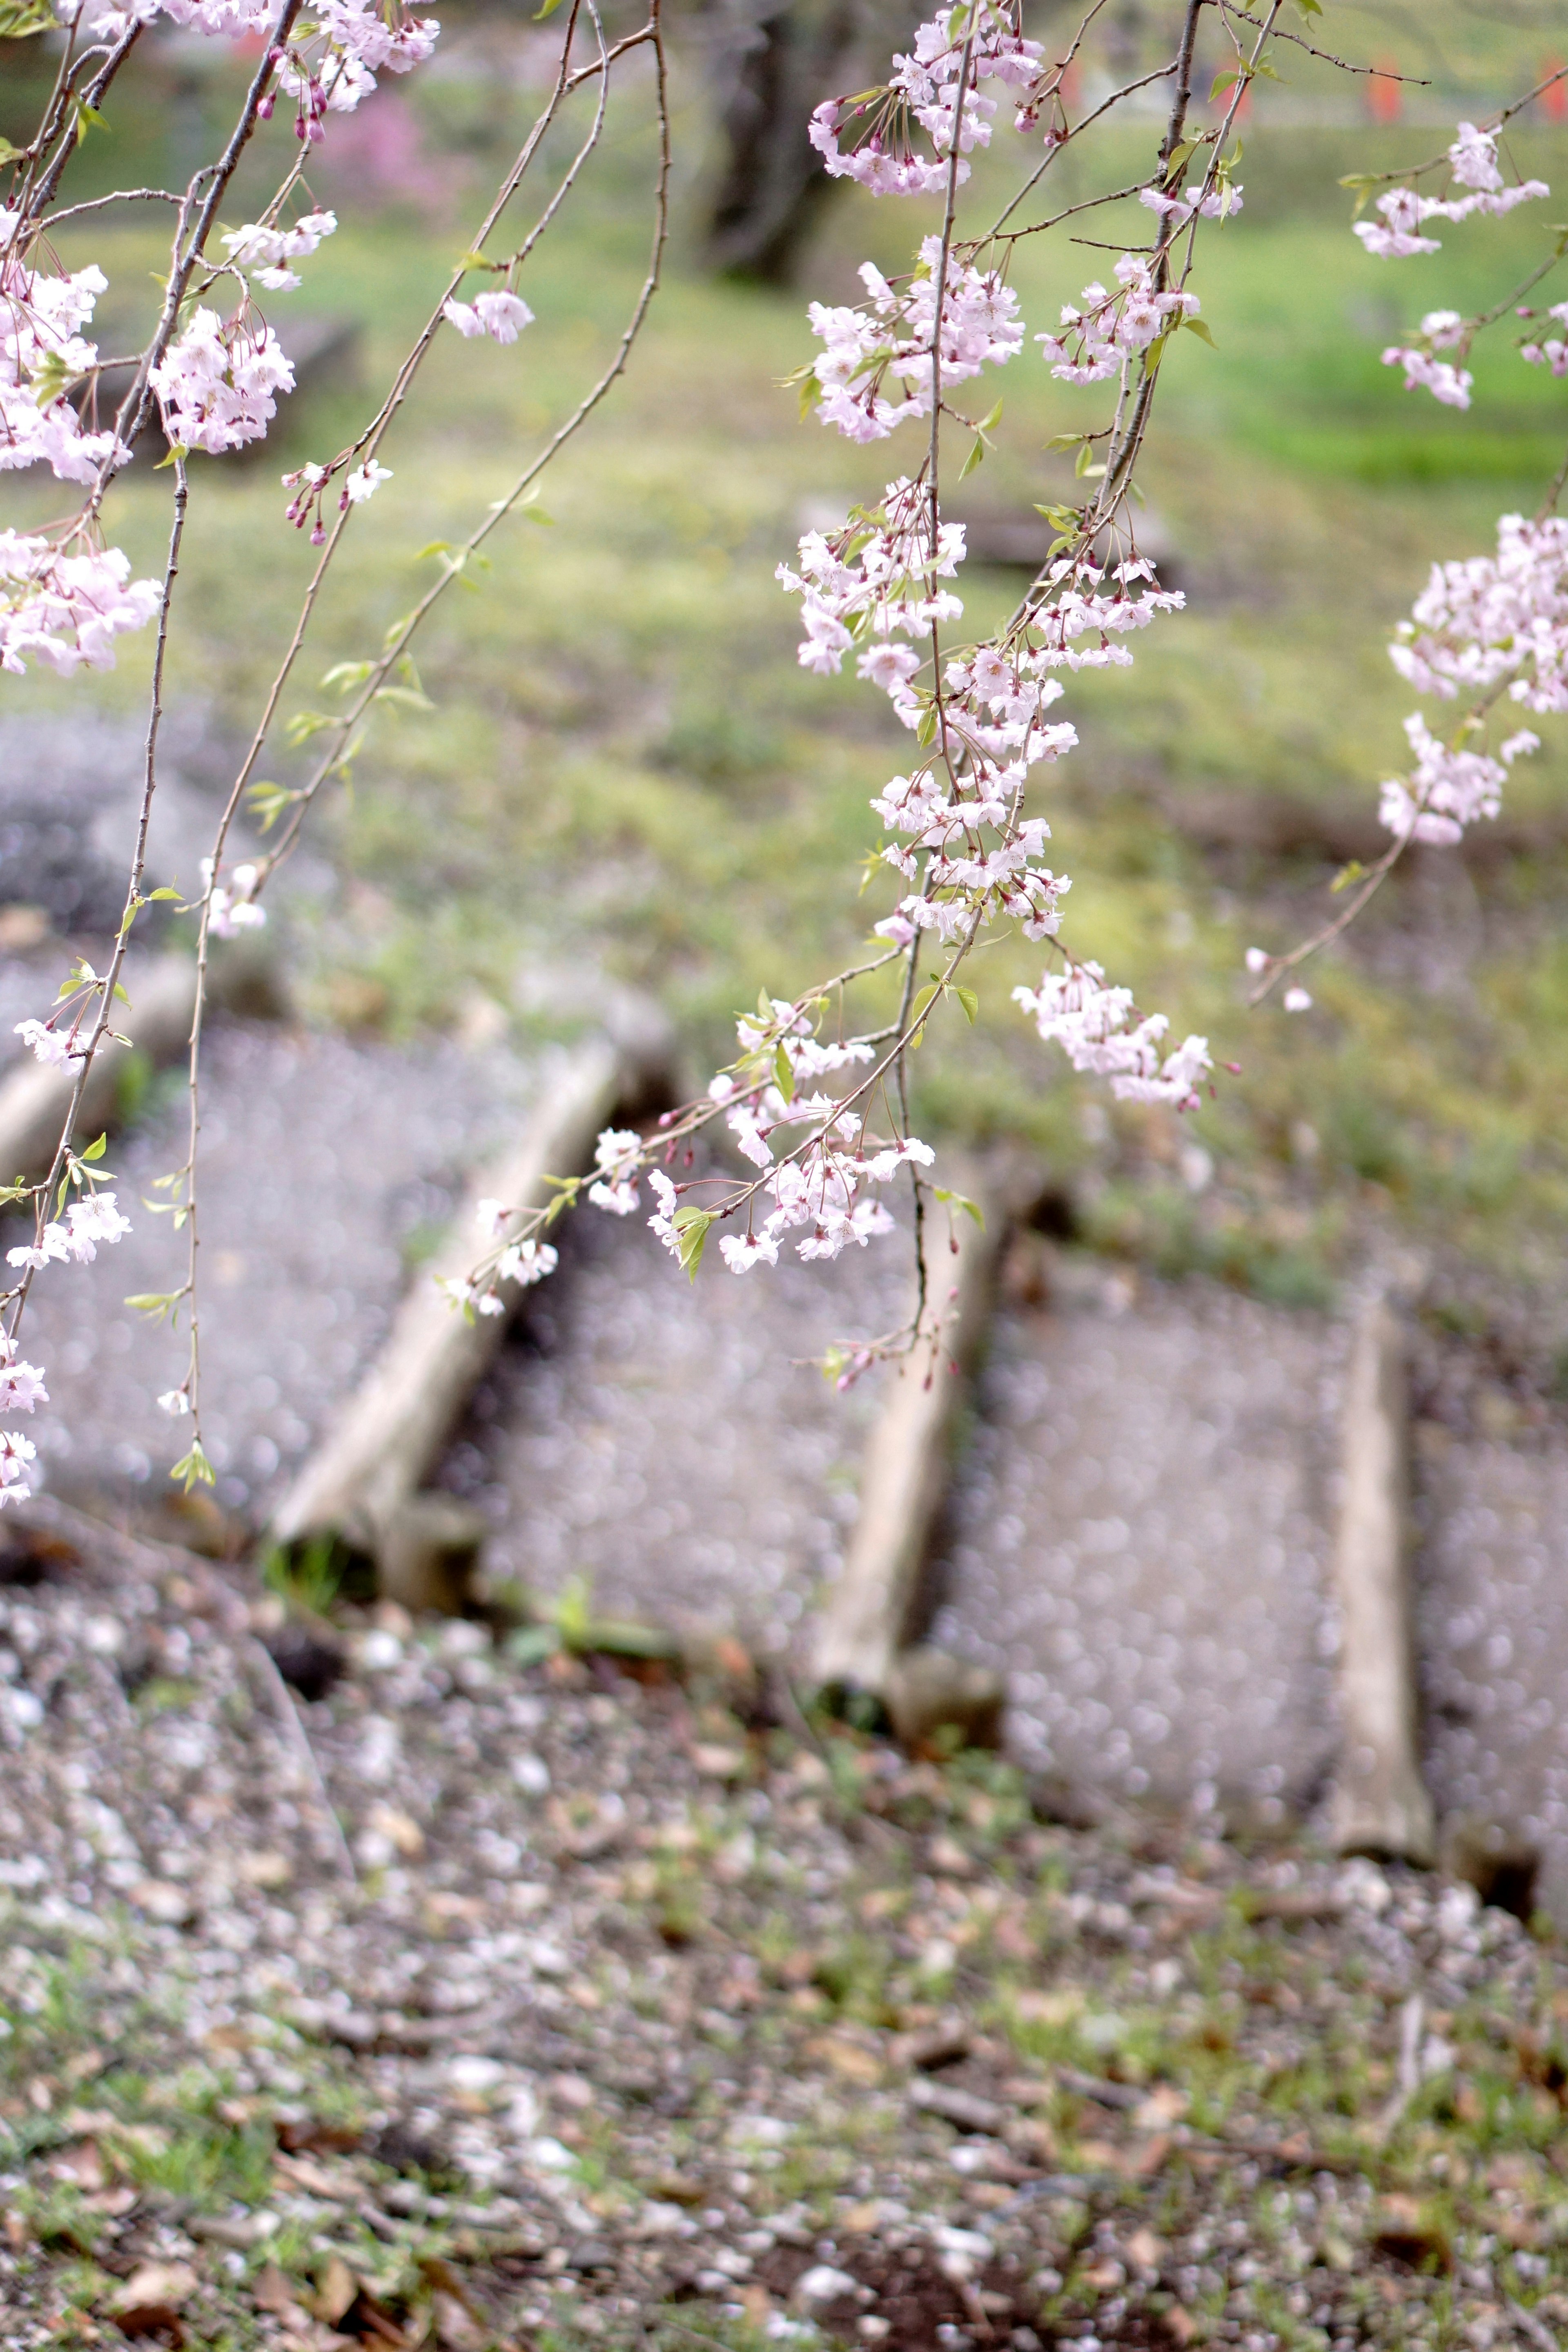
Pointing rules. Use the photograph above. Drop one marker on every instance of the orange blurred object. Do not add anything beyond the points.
(1554, 98)
(1385, 97)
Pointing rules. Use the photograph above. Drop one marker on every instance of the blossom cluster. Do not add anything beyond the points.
(218, 381)
(1449, 786)
(42, 352)
(231, 904)
(66, 609)
(875, 579)
(893, 335)
(1090, 1022)
(501, 316)
(923, 90)
(1097, 340)
(523, 1263)
(1441, 378)
(89, 1223)
(1549, 351)
(22, 1389)
(264, 247)
(1472, 160)
(1492, 618)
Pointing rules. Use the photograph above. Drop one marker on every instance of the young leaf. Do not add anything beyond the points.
(193, 1469)
(961, 1201)
(692, 1236)
(783, 1073)
(969, 999)
(1347, 875)
(975, 457)
(268, 802)
(344, 674)
(1199, 327)
(95, 1150)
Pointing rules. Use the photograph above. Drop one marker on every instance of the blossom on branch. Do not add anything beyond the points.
(65, 610)
(216, 385)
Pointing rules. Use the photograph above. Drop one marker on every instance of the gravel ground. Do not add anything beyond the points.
(378, 1140)
(653, 2018)
(1139, 1536)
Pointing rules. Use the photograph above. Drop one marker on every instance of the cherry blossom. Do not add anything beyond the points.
(616, 1156)
(264, 249)
(1088, 1020)
(15, 1452)
(1097, 340)
(216, 385)
(500, 316)
(1445, 381)
(1550, 350)
(364, 481)
(891, 336)
(42, 352)
(66, 609)
(232, 905)
(1494, 618)
(46, 1045)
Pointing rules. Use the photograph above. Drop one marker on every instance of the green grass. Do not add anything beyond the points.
(626, 769)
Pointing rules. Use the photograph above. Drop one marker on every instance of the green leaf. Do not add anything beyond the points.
(1223, 81)
(989, 424)
(923, 1000)
(95, 1150)
(961, 1201)
(1308, 9)
(9, 155)
(1064, 440)
(1347, 875)
(403, 698)
(1199, 327)
(970, 1000)
(49, 379)
(1061, 518)
(975, 457)
(784, 1075)
(548, 10)
(155, 1302)
(179, 450)
(306, 723)
(269, 801)
(926, 732)
(193, 1469)
(344, 674)
(690, 1225)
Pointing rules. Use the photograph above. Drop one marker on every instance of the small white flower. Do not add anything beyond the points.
(363, 482)
(175, 1402)
(1296, 999)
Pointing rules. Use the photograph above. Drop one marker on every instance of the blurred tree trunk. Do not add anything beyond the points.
(771, 62)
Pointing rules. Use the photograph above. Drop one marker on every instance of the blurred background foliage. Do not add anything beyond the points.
(626, 773)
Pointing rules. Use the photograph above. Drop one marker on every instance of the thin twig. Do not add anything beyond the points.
(298, 1738)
